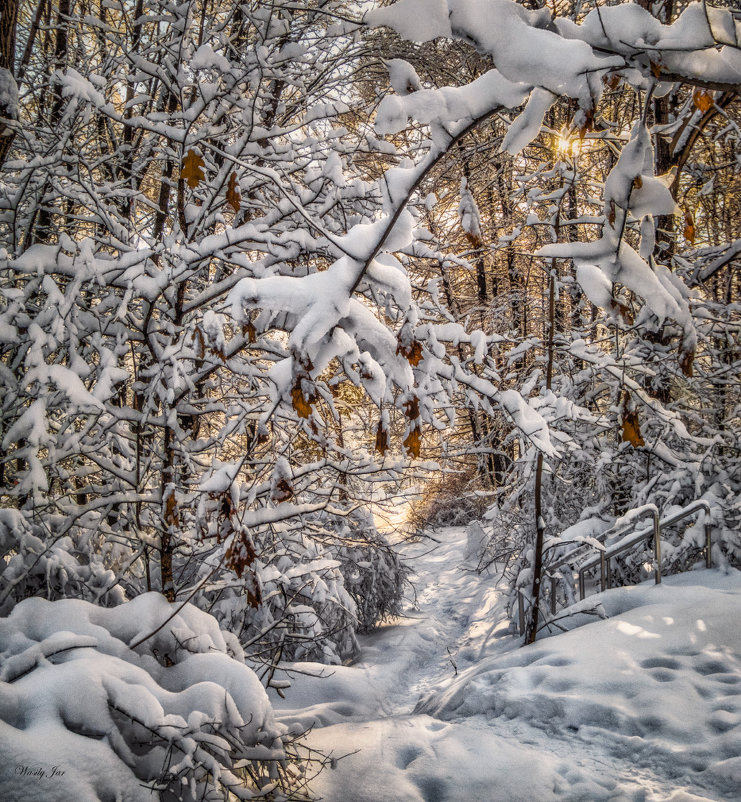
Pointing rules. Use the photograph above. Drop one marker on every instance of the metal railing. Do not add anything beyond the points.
(630, 538)
(627, 544)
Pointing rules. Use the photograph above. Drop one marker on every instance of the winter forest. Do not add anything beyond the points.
(370, 412)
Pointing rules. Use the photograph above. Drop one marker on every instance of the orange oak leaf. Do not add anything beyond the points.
(703, 99)
(192, 169)
(233, 195)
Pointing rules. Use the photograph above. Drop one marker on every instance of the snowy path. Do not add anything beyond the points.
(643, 706)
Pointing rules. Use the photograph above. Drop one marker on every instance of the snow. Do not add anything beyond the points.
(469, 213)
(443, 704)
(75, 85)
(204, 58)
(147, 690)
(527, 125)
(597, 287)
(571, 59)
(620, 28)
(510, 34)
(624, 265)
(418, 20)
(568, 52)
(486, 93)
(402, 76)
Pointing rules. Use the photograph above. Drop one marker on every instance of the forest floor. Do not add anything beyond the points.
(444, 706)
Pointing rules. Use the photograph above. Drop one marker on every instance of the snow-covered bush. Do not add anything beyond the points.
(142, 701)
(306, 589)
(290, 602)
(372, 570)
(31, 564)
(306, 609)
(318, 586)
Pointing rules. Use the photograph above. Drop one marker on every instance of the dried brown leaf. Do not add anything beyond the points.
(254, 599)
(631, 424)
(686, 361)
(632, 430)
(411, 352)
(301, 403)
(588, 123)
(200, 342)
(611, 215)
(611, 81)
(623, 311)
(703, 99)
(282, 491)
(240, 554)
(233, 195)
(249, 331)
(411, 408)
(413, 442)
(382, 439)
(192, 169)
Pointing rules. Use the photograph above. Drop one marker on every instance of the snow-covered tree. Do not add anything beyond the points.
(196, 278)
(610, 221)
(152, 438)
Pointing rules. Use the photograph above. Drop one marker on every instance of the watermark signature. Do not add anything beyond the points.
(38, 772)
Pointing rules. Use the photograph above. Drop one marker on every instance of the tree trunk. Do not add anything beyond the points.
(8, 21)
(532, 628)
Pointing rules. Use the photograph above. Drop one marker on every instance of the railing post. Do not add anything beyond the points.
(582, 586)
(708, 543)
(602, 571)
(657, 545)
(521, 610)
(553, 595)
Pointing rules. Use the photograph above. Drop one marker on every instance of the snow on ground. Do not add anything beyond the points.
(443, 705)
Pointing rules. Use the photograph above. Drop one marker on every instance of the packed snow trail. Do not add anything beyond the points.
(443, 705)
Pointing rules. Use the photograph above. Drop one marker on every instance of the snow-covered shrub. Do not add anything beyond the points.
(292, 604)
(372, 570)
(450, 500)
(305, 602)
(303, 589)
(33, 564)
(142, 701)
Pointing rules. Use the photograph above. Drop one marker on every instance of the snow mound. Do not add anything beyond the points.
(92, 709)
(659, 681)
(426, 759)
